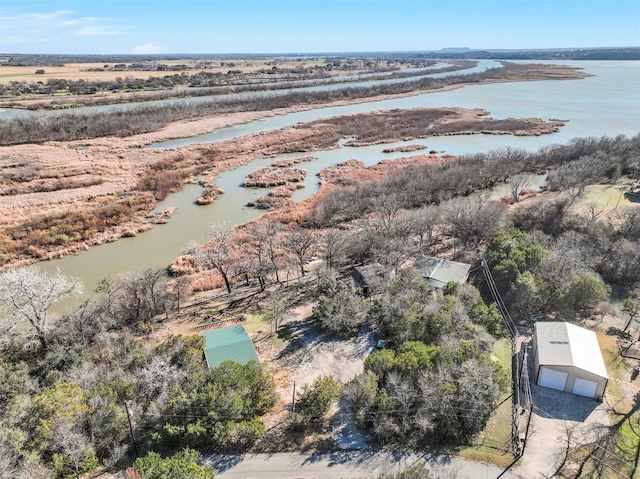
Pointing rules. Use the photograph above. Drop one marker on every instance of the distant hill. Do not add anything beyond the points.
(454, 50)
(625, 53)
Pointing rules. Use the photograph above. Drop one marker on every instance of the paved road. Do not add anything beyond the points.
(343, 464)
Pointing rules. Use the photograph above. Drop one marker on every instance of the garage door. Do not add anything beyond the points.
(551, 378)
(582, 387)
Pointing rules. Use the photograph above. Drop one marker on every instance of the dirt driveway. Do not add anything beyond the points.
(310, 355)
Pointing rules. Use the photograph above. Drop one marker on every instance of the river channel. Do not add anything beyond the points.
(354, 81)
(606, 104)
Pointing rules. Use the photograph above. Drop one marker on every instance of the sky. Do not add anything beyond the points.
(311, 26)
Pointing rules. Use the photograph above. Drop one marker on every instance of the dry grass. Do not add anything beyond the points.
(354, 171)
(617, 366)
(77, 71)
(605, 197)
(73, 71)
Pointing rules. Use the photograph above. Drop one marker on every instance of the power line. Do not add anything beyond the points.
(513, 330)
(368, 413)
(498, 299)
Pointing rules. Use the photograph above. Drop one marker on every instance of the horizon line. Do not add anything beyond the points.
(451, 50)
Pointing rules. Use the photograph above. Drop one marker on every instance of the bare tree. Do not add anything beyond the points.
(276, 312)
(473, 219)
(402, 391)
(387, 208)
(517, 184)
(593, 212)
(137, 297)
(218, 254)
(27, 295)
(631, 306)
(259, 241)
(179, 289)
(425, 222)
(300, 243)
(627, 222)
(333, 244)
(157, 377)
(74, 444)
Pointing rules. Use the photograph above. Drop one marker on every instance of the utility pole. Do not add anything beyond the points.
(133, 438)
(293, 408)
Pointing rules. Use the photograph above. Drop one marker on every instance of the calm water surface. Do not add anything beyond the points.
(605, 104)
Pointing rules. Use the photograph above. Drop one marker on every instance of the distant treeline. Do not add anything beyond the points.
(23, 59)
(552, 54)
(215, 82)
(622, 53)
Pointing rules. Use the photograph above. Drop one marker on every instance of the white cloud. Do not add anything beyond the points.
(146, 48)
(37, 21)
(61, 22)
(96, 30)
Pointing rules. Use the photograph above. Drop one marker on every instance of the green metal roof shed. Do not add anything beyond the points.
(231, 343)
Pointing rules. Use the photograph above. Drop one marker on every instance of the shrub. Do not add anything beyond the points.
(315, 401)
(182, 465)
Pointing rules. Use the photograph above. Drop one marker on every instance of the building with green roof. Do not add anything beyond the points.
(231, 343)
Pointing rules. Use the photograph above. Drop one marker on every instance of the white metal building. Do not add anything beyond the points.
(567, 357)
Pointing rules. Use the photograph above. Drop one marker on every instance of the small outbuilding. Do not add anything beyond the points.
(567, 358)
(438, 271)
(370, 278)
(231, 343)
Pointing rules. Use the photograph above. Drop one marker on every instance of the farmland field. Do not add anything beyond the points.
(77, 71)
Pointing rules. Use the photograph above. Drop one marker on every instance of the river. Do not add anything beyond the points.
(607, 104)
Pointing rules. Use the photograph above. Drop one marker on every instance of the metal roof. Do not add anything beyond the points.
(438, 272)
(231, 343)
(565, 344)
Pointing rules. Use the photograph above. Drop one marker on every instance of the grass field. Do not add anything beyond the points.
(76, 71)
(607, 196)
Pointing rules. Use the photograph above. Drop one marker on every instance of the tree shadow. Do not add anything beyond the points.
(619, 333)
(346, 433)
(333, 458)
(223, 462)
(302, 339)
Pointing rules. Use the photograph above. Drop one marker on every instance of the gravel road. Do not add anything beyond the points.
(345, 464)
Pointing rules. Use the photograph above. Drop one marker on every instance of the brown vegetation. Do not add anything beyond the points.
(405, 149)
(48, 235)
(353, 172)
(291, 161)
(276, 198)
(270, 177)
